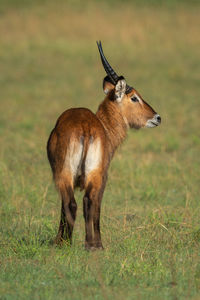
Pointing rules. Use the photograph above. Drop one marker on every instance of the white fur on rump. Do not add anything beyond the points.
(74, 156)
(94, 156)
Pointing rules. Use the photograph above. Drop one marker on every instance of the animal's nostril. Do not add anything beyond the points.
(158, 118)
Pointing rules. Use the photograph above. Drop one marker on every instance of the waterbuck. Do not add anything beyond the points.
(82, 144)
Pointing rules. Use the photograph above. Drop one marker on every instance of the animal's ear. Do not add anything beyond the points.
(120, 89)
(115, 92)
(108, 86)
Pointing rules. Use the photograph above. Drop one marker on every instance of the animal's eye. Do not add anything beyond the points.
(134, 99)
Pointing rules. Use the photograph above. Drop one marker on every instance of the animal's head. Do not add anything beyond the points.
(136, 112)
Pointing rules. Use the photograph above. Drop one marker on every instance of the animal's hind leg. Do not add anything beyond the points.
(96, 217)
(68, 214)
(91, 210)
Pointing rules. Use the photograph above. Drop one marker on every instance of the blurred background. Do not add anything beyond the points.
(49, 62)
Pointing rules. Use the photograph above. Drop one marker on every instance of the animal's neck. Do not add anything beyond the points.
(110, 116)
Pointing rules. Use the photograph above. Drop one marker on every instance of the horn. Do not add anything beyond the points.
(109, 70)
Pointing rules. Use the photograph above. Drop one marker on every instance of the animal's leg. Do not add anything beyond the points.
(91, 210)
(88, 211)
(96, 224)
(68, 214)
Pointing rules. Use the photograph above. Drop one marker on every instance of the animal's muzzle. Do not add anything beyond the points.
(155, 121)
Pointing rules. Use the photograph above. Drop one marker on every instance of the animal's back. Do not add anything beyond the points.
(76, 146)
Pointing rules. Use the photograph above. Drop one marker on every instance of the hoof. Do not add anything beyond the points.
(58, 241)
(93, 247)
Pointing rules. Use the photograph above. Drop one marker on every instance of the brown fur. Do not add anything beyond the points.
(80, 149)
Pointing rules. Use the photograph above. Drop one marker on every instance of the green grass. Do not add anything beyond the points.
(150, 212)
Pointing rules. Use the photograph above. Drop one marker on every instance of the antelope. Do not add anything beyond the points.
(82, 144)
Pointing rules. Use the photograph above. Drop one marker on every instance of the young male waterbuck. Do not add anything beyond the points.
(82, 144)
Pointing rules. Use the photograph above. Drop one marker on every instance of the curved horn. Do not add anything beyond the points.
(109, 70)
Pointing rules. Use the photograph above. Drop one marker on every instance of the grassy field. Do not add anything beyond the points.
(150, 213)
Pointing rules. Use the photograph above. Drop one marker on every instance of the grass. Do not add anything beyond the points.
(150, 212)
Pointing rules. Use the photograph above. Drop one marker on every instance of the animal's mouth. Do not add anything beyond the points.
(155, 124)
